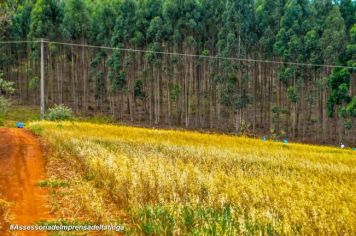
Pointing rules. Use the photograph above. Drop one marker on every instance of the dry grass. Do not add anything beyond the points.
(3, 215)
(175, 182)
(73, 199)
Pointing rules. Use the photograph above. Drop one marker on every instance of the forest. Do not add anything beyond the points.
(276, 68)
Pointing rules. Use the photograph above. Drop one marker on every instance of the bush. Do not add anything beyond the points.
(4, 106)
(59, 112)
(6, 87)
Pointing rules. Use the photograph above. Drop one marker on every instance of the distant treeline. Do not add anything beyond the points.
(310, 103)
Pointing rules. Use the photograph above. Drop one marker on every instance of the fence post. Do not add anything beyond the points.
(42, 80)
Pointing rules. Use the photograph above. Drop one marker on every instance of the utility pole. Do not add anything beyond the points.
(42, 80)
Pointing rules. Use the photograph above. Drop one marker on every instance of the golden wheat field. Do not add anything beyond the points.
(188, 183)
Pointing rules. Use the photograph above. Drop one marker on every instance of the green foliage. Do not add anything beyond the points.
(116, 74)
(124, 29)
(233, 96)
(294, 26)
(76, 20)
(46, 17)
(348, 112)
(351, 107)
(237, 33)
(334, 37)
(227, 220)
(286, 75)
(59, 113)
(52, 183)
(313, 47)
(103, 15)
(268, 14)
(205, 52)
(138, 90)
(348, 9)
(20, 26)
(175, 91)
(348, 124)
(6, 87)
(339, 83)
(4, 106)
(350, 52)
(293, 95)
(34, 83)
(100, 89)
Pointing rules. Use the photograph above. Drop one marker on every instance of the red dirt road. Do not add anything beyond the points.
(21, 167)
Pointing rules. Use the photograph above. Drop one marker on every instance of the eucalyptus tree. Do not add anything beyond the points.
(334, 36)
(121, 61)
(290, 47)
(46, 17)
(155, 35)
(348, 12)
(45, 20)
(76, 20)
(183, 27)
(268, 17)
(150, 34)
(333, 42)
(21, 21)
(103, 19)
(206, 97)
(75, 27)
(341, 103)
(19, 30)
(235, 40)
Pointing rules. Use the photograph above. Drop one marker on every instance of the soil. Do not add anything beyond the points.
(21, 168)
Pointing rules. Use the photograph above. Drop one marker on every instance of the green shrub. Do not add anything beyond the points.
(6, 87)
(52, 183)
(4, 105)
(59, 112)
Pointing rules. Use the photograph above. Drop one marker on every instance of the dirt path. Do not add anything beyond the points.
(21, 167)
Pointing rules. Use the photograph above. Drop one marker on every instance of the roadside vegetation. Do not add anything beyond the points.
(6, 89)
(188, 183)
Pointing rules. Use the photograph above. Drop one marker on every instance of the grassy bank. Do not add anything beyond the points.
(174, 182)
(19, 113)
